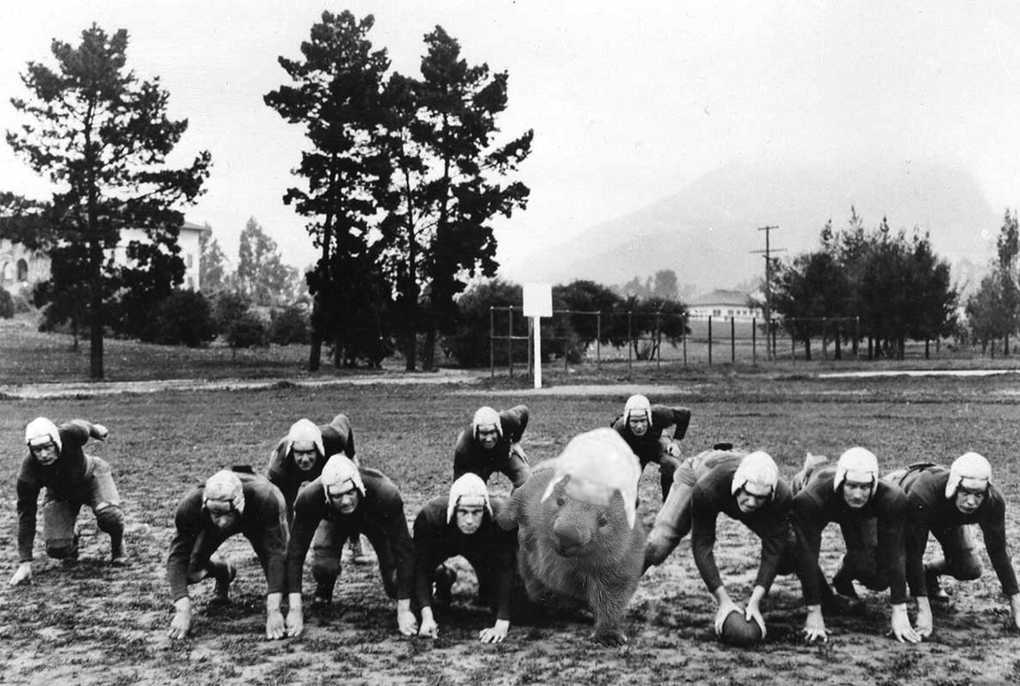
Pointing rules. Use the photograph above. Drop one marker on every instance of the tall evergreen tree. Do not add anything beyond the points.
(449, 183)
(261, 274)
(102, 136)
(335, 97)
(212, 262)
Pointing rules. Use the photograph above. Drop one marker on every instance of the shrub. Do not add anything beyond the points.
(289, 325)
(246, 331)
(184, 318)
(228, 307)
(6, 304)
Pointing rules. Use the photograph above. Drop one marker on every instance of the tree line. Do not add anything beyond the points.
(890, 284)
(400, 180)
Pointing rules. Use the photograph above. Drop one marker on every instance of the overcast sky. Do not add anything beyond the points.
(629, 100)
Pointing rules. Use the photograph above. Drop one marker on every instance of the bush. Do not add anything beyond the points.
(288, 326)
(184, 318)
(246, 331)
(228, 307)
(6, 304)
(21, 304)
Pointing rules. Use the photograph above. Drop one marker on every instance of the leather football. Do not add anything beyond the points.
(737, 631)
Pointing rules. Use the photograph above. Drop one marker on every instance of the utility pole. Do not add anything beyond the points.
(767, 253)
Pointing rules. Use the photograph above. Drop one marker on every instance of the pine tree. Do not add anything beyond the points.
(102, 136)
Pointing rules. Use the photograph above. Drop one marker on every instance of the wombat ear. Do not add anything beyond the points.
(629, 506)
(552, 485)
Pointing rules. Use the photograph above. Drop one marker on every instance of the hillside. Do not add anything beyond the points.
(707, 230)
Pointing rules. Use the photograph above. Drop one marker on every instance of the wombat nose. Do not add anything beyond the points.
(570, 538)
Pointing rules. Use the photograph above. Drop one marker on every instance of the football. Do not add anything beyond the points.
(737, 631)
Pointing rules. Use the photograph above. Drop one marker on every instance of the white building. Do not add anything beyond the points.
(20, 269)
(724, 303)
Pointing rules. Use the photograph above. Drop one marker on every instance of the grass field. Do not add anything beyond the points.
(99, 625)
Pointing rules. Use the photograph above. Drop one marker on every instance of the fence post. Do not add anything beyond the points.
(771, 335)
(684, 339)
(857, 338)
(733, 340)
(630, 343)
(510, 339)
(598, 339)
(709, 340)
(754, 341)
(492, 342)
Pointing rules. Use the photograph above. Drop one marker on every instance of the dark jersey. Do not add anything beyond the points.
(710, 497)
(262, 522)
(66, 479)
(490, 549)
(930, 510)
(337, 437)
(379, 515)
(818, 503)
(648, 447)
(470, 456)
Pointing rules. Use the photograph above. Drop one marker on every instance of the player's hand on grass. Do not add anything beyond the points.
(295, 623)
(99, 432)
(496, 633)
(901, 628)
(814, 625)
(180, 625)
(406, 622)
(1014, 609)
(274, 624)
(428, 628)
(923, 625)
(22, 575)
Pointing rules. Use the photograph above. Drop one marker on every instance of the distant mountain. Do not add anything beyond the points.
(706, 231)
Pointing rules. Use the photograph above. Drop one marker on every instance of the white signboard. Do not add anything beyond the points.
(537, 300)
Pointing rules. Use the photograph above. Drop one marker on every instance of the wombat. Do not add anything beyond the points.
(580, 540)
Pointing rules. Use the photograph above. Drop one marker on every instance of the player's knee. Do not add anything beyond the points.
(389, 579)
(109, 517)
(967, 569)
(61, 548)
(325, 565)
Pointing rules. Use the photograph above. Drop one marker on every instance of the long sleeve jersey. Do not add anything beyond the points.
(711, 495)
(489, 548)
(263, 523)
(648, 447)
(337, 437)
(379, 515)
(67, 479)
(930, 510)
(818, 503)
(470, 456)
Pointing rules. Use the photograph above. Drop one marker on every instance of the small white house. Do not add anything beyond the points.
(20, 268)
(724, 303)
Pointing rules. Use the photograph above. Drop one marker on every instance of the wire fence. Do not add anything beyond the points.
(648, 339)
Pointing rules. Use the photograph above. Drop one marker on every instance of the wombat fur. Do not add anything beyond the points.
(577, 546)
